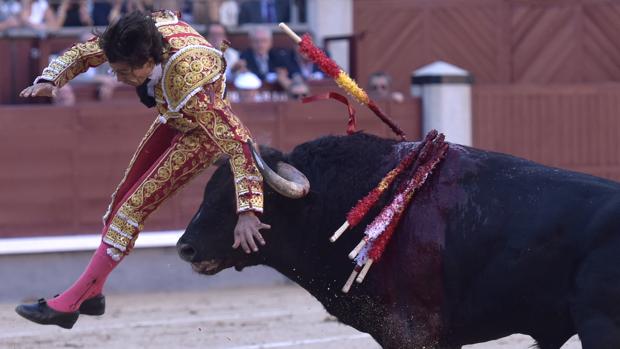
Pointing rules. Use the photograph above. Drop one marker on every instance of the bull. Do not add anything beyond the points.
(491, 245)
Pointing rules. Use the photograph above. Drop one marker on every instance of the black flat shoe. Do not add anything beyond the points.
(42, 314)
(93, 306)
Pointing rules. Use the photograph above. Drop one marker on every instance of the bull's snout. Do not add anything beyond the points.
(186, 251)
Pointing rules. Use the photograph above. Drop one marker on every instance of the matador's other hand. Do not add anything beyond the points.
(247, 230)
(41, 89)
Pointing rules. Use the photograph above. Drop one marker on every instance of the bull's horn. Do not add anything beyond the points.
(289, 181)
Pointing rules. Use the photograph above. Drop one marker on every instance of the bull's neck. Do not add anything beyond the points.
(322, 268)
(302, 228)
(305, 255)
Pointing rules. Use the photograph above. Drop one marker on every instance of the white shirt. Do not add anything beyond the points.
(37, 11)
(155, 78)
(232, 57)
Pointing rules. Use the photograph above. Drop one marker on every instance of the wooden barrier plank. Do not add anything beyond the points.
(62, 163)
(568, 126)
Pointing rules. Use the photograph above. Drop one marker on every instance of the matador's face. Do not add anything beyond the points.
(135, 76)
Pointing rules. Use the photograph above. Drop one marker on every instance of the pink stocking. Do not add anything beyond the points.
(89, 284)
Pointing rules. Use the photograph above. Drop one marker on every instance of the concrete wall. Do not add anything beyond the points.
(29, 277)
(332, 18)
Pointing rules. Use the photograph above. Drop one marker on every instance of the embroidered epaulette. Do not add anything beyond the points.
(180, 35)
(187, 71)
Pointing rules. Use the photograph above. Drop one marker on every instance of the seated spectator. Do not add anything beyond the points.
(298, 90)
(229, 13)
(216, 34)
(10, 11)
(101, 12)
(37, 14)
(174, 5)
(305, 68)
(73, 13)
(264, 11)
(247, 88)
(379, 87)
(204, 12)
(146, 6)
(268, 63)
(120, 7)
(188, 10)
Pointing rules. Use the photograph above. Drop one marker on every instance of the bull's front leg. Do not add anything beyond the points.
(421, 331)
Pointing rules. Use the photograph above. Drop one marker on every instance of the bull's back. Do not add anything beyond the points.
(489, 244)
(514, 242)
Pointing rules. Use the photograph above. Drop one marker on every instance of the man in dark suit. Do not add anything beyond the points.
(270, 64)
(302, 67)
(264, 11)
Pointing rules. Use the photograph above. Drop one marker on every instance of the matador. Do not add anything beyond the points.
(183, 77)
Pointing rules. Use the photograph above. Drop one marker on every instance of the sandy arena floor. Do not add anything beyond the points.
(257, 318)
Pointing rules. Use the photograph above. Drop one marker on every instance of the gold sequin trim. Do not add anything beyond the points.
(74, 61)
(187, 71)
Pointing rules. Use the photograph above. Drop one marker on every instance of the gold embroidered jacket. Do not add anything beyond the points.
(189, 95)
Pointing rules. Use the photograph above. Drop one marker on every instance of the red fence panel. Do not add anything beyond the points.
(568, 126)
(60, 165)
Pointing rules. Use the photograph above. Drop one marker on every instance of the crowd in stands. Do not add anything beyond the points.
(54, 14)
(260, 72)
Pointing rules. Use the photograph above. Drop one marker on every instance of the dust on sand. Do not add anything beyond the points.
(247, 318)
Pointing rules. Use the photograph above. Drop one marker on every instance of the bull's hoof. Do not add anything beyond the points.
(93, 306)
(42, 314)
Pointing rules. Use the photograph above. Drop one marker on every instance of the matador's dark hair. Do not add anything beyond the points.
(132, 39)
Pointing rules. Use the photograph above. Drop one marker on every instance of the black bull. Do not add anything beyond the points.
(491, 245)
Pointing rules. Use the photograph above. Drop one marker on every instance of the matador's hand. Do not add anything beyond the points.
(41, 89)
(247, 230)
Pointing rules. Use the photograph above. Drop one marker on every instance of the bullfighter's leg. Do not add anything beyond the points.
(184, 158)
(596, 307)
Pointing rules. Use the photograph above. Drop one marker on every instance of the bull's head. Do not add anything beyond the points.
(207, 241)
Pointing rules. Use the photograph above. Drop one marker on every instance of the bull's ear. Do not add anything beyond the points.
(223, 160)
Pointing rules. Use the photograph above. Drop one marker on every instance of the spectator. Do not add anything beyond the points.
(264, 11)
(379, 86)
(303, 67)
(269, 64)
(120, 7)
(205, 12)
(9, 14)
(174, 5)
(146, 6)
(37, 14)
(188, 10)
(229, 13)
(247, 87)
(101, 12)
(216, 34)
(298, 90)
(73, 13)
